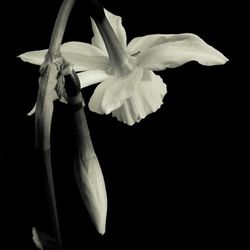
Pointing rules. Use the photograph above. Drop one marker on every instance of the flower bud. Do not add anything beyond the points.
(91, 184)
(87, 169)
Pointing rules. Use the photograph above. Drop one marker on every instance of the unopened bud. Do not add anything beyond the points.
(91, 183)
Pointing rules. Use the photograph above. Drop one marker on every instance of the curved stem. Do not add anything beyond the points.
(44, 111)
(48, 79)
(59, 27)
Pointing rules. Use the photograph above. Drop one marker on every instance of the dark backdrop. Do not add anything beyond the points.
(168, 180)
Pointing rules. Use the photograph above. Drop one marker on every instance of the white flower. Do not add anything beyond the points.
(129, 89)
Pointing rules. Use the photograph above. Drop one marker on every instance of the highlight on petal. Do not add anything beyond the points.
(32, 111)
(84, 56)
(140, 44)
(112, 93)
(34, 57)
(116, 23)
(43, 240)
(91, 183)
(175, 50)
(90, 77)
(36, 239)
(81, 48)
(146, 99)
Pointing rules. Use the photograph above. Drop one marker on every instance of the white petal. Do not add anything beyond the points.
(33, 110)
(146, 99)
(111, 94)
(116, 23)
(81, 48)
(84, 56)
(35, 57)
(140, 44)
(36, 239)
(175, 50)
(91, 183)
(90, 77)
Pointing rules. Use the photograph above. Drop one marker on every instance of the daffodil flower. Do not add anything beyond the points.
(129, 89)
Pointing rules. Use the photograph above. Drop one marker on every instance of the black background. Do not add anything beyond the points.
(170, 179)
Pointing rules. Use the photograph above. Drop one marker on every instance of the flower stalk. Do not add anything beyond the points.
(60, 25)
(49, 70)
(117, 53)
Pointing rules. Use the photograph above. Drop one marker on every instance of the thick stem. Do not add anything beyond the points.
(50, 225)
(44, 111)
(44, 107)
(59, 27)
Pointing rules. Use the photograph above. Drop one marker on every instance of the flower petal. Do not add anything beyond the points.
(84, 56)
(146, 99)
(174, 50)
(90, 77)
(81, 48)
(112, 93)
(140, 44)
(32, 111)
(34, 57)
(116, 23)
(36, 239)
